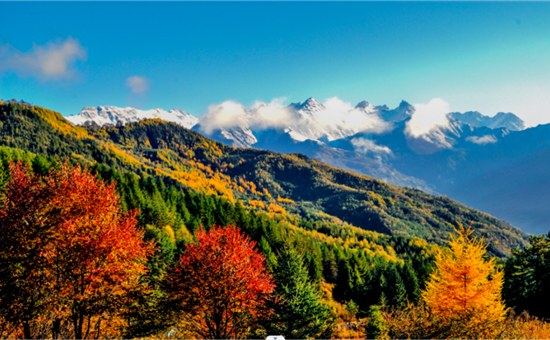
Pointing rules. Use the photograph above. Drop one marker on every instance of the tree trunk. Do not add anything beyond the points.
(77, 323)
(27, 330)
(55, 328)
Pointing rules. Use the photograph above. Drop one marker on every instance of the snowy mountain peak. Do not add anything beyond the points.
(365, 105)
(404, 104)
(310, 105)
(505, 120)
(111, 115)
(402, 112)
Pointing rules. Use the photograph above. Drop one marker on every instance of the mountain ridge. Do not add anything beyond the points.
(261, 179)
(393, 155)
(112, 115)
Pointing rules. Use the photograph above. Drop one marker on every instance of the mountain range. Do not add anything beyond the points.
(293, 189)
(111, 115)
(478, 160)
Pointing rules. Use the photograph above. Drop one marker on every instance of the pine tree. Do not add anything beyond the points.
(330, 266)
(344, 282)
(527, 277)
(376, 327)
(396, 289)
(465, 287)
(302, 314)
(382, 288)
(271, 259)
(315, 270)
(411, 282)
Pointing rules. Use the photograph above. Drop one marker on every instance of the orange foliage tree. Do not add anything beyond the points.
(465, 287)
(221, 283)
(68, 252)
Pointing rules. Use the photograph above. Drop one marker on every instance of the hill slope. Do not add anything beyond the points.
(269, 181)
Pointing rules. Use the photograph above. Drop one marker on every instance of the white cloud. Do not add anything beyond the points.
(223, 116)
(52, 61)
(270, 115)
(427, 117)
(337, 120)
(487, 139)
(138, 85)
(342, 115)
(364, 146)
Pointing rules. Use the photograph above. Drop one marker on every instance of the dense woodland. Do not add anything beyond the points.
(340, 255)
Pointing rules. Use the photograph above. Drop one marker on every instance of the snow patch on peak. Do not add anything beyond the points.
(365, 106)
(505, 120)
(311, 105)
(401, 113)
(112, 115)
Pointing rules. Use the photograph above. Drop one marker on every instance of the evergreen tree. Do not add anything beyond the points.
(376, 327)
(344, 282)
(382, 288)
(301, 313)
(396, 289)
(527, 277)
(315, 270)
(330, 266)
(271, 259)
(411, 282)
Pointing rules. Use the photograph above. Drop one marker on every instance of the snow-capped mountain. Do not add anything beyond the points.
(111, 115)
(505, 120)
(308, 120)
(237, 134)
(466, 156)
(402, 112)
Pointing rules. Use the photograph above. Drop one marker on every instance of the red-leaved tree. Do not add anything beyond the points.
(221, 283)
(67, 252)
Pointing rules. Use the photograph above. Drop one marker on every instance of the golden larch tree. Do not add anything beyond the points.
(465, 287)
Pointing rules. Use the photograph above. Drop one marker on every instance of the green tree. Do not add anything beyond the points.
(527, 277)
(315, 270)
(397, 291)
(411, 282)
(301, 314)
(376, 327)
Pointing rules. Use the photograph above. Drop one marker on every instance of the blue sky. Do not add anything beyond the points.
(484, 56)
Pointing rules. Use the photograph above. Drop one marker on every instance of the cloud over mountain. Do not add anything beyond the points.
(310, 119)
(363, 145)
(428, 117)
(488, 139)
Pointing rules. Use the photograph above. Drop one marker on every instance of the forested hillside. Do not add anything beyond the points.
(267, 181)
(341, 262)
(335, 247)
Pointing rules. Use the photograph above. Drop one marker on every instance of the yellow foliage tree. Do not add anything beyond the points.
(465, 288)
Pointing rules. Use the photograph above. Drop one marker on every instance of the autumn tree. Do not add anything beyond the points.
(68, 253)
(221, 283)
(465, 288)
